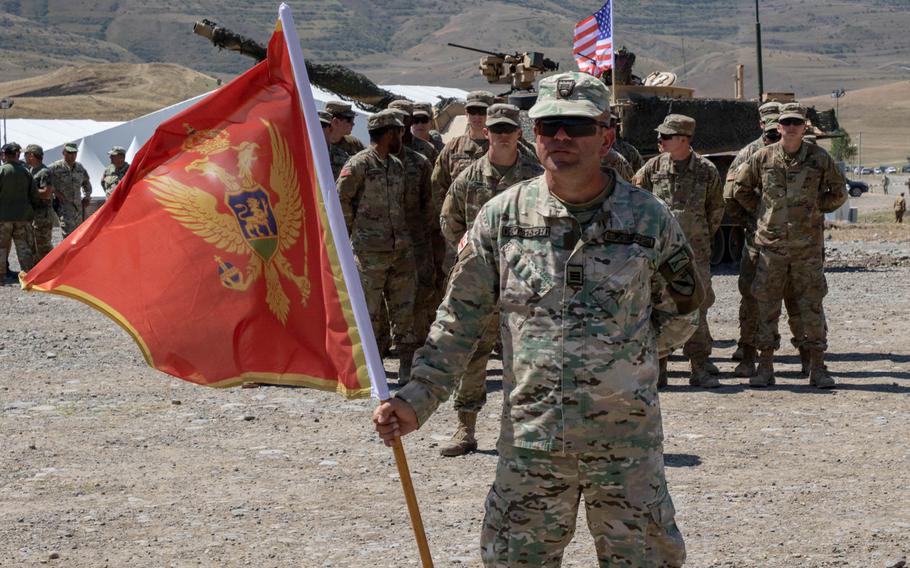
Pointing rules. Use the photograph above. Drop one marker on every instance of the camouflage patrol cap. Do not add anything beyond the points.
(325, 117)
(117, 150)
(479, 99)
(677, 124)
(769, 110)
(338, 108)
(770, 123)
(403, 116)
(403, 105)
(384, 118)
(9, 148)
(70, 147)
(422, 109)
(15, 146)
(793, 110)
(571, 94)
(34, 149)
(502, 114)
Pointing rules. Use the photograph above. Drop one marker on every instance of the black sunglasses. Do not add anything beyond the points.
(502, 128)
(772, 135)
(666, 136)
(573, 127)
(792, 121)
(474, 111)
(420, 119)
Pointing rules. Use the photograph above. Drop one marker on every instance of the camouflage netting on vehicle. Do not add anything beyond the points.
(350, 85)
(721, 125)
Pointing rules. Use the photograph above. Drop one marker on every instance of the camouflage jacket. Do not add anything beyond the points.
(457, 155)
(694, 194)
(18, 194)
(618, 162)
(582, 314)
(371, 191)
(418, 204)
(351, 144)
(473, 187)
(423, 147)
(42, 176)
(630, 153)
(69, 180)
(338, 158)
(732, 207)
(900, 205)
(112, 177)
(789, 195)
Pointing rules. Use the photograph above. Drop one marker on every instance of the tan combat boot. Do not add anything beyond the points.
(700, 377)
(738, 354)
(804, 361)
(746, 367)
(662, 373)
(463, 441)
(404, 366)
(818, 372)
(765, 375)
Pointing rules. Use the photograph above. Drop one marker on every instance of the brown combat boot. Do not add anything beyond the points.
(804, 361)
(662, 373)
(463, 441)
(765, 375)
(818, 372)
(746, 367)
(739, 353)
(711, 368)
(700, 377)
(404, 365)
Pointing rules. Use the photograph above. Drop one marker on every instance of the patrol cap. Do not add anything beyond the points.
(338, 108)
(571, 94)
(770, 124)
(34, 149)
(70, 147)
(15, 146)
(479, 99)
(325, 117)
(502, 114)
(401, 114)
(402, 104)
(769, 110)
(9, 148)
(384, 118)
(422, 109)
(117, 150)
(677, 124)
(793, 110)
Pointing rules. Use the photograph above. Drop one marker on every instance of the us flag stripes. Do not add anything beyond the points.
(593, 47)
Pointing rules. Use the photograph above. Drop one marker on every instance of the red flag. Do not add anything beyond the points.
(215, 252)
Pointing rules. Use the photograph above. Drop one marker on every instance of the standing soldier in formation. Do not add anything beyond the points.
(788, 187)
(900, 206)
(342, 125)
(591, 277)
(70, 180)
(691, 186)
(626, 150)
(500, 168)
(337, 157)
(886, 181)
(45, 217)
(371, 190)
(411, 141)
(618, 162)
(18, 198)
(115, 171)
(423, 118)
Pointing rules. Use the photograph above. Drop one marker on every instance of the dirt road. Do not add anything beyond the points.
(104, 462)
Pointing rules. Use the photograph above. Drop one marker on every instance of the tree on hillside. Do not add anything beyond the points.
(842, 149)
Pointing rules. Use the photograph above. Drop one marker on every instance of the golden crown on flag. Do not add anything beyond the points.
(205, 141)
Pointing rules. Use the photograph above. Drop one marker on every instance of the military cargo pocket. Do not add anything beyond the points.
(524, 286)
(624, 290)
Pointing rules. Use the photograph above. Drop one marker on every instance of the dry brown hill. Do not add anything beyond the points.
(113, 91)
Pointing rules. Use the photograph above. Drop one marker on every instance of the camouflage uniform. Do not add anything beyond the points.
(615, 160)
(45, 217)
(68, 181)
(900, 206)
(372, 195)
(788, 196)
(584, 308)
(112, 176)
(351, 145)
(436, 140)
(18, 197)
(694, 193)
(338, 158)
(629, 152)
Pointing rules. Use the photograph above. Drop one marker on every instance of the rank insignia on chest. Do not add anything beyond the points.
(575, 275)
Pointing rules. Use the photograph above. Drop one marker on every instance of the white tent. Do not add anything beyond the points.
(51, 133)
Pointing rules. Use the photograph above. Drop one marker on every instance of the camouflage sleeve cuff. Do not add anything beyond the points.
(420, 398)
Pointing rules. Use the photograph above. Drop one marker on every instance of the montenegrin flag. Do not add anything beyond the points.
(223, 252)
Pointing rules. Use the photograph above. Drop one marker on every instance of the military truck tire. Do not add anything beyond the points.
(718, 247)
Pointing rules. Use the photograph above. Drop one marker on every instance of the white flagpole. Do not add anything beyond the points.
(375, 369)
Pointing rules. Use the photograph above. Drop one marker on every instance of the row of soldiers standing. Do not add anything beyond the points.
(34, 198)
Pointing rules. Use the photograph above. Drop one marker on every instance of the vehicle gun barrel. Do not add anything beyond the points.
(478, 50)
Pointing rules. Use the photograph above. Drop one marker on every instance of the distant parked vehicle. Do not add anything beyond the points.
(857, 188)
(891, 170)
(857, 170)
(906, 169)
(865, 171)
(877, 171)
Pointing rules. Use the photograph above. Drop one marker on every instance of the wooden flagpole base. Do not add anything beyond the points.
(404, 475)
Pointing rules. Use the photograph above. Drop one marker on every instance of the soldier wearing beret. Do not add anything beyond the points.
(589, 279)
(70, 178)
(115, 171)
(691, 186)
(788, 187)
(371, 189)
(45, 217)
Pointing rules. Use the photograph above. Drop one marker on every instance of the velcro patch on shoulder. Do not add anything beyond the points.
(678, 261)
(683, 284)
(524, 232)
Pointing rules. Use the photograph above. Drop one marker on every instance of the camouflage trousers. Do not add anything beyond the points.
(43, 225)
(389, 278)
(531, 509)
(20, 234)
(471, 394)
(699, 345)
(70, 215)
(804, 274)
(898, 216)
(424, 301)
(748, 306)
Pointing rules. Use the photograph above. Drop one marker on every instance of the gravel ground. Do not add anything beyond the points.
(105, 462)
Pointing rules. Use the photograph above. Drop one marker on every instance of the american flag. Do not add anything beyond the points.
(593, 48)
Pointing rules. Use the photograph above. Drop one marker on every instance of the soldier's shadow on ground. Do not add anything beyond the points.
(681, 460)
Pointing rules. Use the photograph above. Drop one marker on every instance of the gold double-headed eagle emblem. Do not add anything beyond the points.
(255, 227)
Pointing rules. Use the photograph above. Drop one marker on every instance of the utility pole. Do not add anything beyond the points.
(837, 94)
(860, 153)
(5, 104)
(761, 79)
(684, 59)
